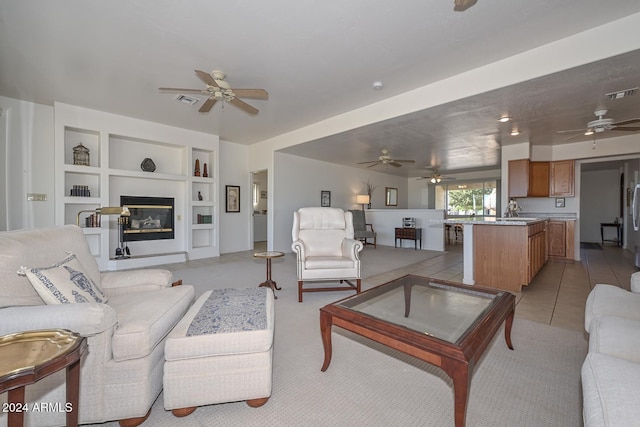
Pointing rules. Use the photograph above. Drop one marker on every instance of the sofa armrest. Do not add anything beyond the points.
(87, 319)
(635, 282)
(133, 281)
(350, 248)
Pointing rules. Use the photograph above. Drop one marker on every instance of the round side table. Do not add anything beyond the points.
(269, 255)
(27, 357)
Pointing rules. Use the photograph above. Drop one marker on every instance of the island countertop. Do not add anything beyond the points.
(495, 221)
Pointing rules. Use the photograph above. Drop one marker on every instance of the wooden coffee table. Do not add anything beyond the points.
(445, 324)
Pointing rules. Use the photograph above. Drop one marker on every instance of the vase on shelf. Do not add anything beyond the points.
(205, 173)
(196, 172)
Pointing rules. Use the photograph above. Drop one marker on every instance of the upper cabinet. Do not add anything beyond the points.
(541, 179)
(562, 179)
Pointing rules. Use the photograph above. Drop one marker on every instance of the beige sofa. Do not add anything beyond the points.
(121, 374)
(611, 370)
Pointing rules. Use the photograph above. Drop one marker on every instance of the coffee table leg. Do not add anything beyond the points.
(325, 331)
(507, 329)
(461, 383)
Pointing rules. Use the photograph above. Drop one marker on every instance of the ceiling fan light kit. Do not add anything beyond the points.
(217, 89)
(462, 5)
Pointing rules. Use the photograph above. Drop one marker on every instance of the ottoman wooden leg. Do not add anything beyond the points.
(183, 412)
(256, 403)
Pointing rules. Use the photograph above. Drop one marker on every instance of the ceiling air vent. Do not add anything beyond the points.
(186, 99)
(621, 93)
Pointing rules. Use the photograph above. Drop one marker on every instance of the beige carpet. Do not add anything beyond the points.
(537, 384)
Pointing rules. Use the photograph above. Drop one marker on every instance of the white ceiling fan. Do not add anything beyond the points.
(435, 177)
(219, 90)
(385, 159)
(602, 124)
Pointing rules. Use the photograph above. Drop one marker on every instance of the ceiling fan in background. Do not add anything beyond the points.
(435, 177)
(385, 159)
(602, 124)
(219, 90)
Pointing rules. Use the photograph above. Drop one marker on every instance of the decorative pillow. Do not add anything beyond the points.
(64, 282)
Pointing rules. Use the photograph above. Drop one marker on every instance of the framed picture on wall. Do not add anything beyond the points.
(232, 200)
(325, 199)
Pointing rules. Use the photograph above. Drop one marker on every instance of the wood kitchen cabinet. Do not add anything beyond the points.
(561, 179)
(560, 238)
(518, 178)
(541, 179)
(508, 256)
(538, 179)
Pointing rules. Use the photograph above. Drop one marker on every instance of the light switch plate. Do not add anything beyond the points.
(36, 197)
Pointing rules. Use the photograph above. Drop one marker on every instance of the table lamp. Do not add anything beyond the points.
(363, 199)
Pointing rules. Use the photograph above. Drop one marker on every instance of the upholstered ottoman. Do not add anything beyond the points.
(221, 351)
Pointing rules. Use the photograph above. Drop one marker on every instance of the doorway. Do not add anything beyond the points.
(259, 199)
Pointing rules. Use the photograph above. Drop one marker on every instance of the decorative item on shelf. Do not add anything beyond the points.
(199, 196)
(232, 203)
(363, 199)
(80, 155)
(148, 165)
(370, 188)
(204, 219)
(205, 173)
(80, 191)
(196, 172)
(325, 198)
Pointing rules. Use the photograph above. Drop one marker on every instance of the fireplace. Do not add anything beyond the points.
(151, 218)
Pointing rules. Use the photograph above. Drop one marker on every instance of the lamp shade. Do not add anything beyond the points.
(363, 199)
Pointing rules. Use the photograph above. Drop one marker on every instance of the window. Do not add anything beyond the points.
(464, 199)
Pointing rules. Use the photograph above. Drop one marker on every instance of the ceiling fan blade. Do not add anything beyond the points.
(251, 93)
(627, 122)
(370, 166)
(366, 163)
(580, 135)
(206, 78)
(404, 161)
(571, 130)
(628, 128)
(244, 106)
(394, 164)
(175, 89)
(208, 104)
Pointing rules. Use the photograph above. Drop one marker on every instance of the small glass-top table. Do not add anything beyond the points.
(446, 324)
(269, 283)
(27, 357)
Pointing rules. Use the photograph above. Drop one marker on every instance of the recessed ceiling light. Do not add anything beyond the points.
(515, 132)
(504, 119)
(378, 85)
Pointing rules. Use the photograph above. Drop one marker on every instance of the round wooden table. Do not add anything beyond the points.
(27, 357)
(269, 255)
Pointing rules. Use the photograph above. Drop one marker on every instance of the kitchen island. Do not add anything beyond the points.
(503, 253)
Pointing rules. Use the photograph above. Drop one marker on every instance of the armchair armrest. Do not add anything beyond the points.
(298, 248)
(370, 226)
(350, 248)
(133, 281)
(87, 319)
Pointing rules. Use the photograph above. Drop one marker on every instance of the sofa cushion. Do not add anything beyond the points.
(144, 319)
(325, 262)
(609, 391)
(64, 282)
(615, 336)
(609, 300)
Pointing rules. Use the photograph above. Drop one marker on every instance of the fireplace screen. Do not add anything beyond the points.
(151, 218)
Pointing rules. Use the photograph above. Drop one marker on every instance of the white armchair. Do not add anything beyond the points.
(121, 373)
(325, 249)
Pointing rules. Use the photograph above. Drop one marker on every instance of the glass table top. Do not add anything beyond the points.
(441, 310)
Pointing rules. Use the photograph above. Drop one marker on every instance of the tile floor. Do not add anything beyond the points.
(557, 294)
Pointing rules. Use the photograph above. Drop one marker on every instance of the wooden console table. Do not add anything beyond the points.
(414, 234)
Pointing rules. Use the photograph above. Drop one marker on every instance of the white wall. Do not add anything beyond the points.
(29, 166)
(235, 228)
(298, 182)
(599, 202)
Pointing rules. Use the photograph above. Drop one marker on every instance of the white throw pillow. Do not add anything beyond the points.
(64, 282)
